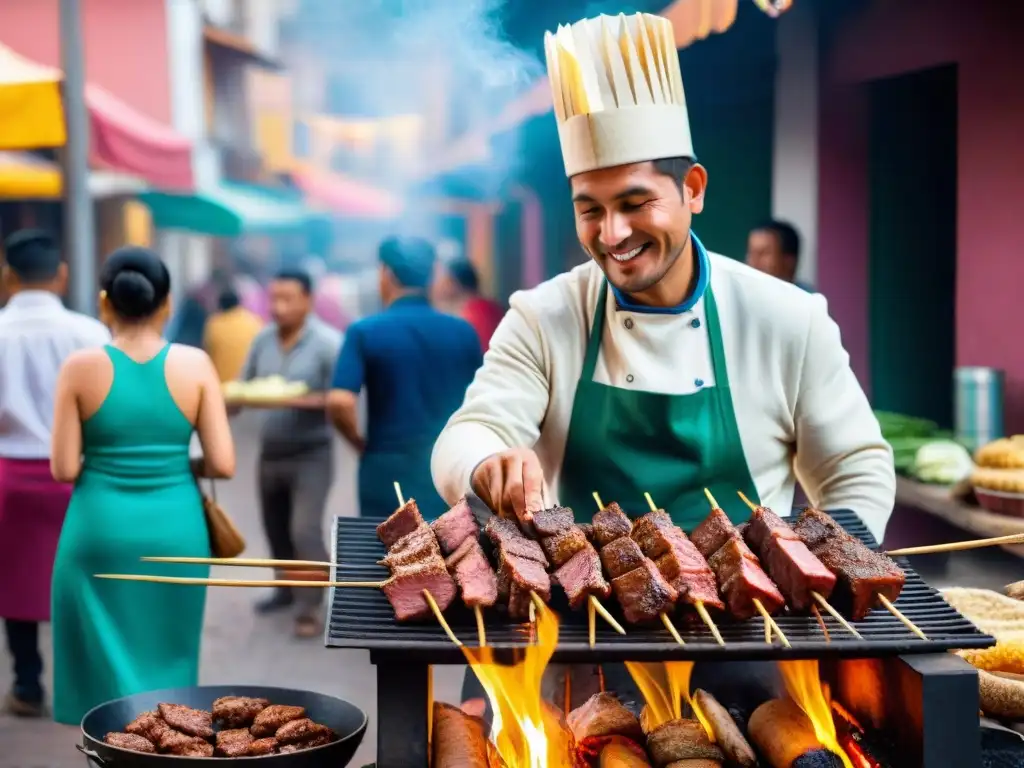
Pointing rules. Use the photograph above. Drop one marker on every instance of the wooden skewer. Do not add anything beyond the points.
(238, 582)
(701, 610)
(567, 693)
(818, 597)
(440, 617)
(480, 631)
(672, 629)
(770, 625)
(836, 615)
(245, 562)
(591, 623)
(899, 615)
(398, 493)
(821, 623)
(957, 546)
(603, 612)
(611, 620)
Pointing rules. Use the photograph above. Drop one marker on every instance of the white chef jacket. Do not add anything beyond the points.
(36, 335)
(800, 410)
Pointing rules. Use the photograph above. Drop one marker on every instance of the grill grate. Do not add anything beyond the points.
(362, 618)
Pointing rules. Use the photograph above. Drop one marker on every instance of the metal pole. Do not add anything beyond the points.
(79, 227)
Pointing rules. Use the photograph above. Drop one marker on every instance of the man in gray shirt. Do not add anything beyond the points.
(296, 465)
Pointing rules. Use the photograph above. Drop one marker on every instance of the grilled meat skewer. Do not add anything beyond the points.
(641, 589)
(861, 573)
(792, 566)
(741, 580)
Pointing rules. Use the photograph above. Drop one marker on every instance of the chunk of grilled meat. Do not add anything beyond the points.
(131, 742)
(188, 720)
(273, 717)
(238, 711)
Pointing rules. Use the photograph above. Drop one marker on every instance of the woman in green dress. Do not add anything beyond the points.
(124, 417)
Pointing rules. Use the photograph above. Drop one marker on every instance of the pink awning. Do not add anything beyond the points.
(123, 139)
(344, 196)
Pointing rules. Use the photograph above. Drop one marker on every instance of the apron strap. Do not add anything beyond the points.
(715, 339)
(596, 333)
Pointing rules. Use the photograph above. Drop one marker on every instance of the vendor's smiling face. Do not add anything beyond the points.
(634, 221)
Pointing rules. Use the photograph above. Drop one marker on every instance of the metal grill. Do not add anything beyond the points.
(362, 618)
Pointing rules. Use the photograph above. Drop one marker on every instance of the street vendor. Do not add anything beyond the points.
(657, 366)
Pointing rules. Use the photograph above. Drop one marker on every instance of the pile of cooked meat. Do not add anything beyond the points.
(604, 732)
(649, 564)
(248, 727)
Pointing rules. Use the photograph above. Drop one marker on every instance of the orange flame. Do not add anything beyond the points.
(804, 686)
(664, 687)
(526, 731)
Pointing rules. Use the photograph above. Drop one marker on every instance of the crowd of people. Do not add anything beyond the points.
(96, 422)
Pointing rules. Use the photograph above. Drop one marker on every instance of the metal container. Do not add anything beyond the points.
(978, 394)
(345, 719)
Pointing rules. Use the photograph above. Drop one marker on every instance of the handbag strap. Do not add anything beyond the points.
(213, 491)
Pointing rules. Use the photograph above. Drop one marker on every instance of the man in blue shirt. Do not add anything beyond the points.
(774, 248)
(415, 364)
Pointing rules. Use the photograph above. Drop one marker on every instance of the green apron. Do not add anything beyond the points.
(623, 443)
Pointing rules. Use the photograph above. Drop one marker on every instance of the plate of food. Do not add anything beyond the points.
(272, 392)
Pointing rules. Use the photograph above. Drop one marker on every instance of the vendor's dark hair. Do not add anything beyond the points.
(136, 282)
(675, 167)
(228, 299)
(33, 255)
(462, 271)
(297, 275)
(789, 238)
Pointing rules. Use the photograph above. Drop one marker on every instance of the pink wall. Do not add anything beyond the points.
(893, 38)
(125, 46)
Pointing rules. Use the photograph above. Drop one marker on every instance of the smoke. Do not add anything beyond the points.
(445, 60)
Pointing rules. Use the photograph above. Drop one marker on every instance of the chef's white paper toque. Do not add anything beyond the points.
(618, 92)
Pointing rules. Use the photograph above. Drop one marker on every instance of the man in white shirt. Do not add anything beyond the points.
(36, 335)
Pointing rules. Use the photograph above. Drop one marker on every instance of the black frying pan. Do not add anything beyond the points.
(347, 720)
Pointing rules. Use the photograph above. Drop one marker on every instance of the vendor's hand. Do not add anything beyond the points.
(511, 481)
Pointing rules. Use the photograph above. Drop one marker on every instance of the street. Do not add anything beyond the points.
(239, 647)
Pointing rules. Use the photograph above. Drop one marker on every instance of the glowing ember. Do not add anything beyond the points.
(848, 734)
(526, 731)
(664, 687)
(804, 686)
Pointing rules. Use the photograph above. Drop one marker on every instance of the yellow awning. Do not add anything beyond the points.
(31, 113)
(24, 176)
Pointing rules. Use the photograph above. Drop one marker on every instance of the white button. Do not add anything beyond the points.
(628, 322)
(629, 377)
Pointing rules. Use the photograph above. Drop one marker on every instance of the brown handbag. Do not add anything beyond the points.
(225, 538)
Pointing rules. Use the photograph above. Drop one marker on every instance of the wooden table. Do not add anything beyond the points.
(937, 501)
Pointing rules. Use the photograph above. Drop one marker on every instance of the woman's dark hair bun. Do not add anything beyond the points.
(136, 281)
(131, 294)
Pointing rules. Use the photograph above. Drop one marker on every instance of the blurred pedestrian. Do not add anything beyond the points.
(36, 335)
(229, 334)
(123, 421)
(774, 248)
(456, 290)
(296, 464)
(414, 364)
